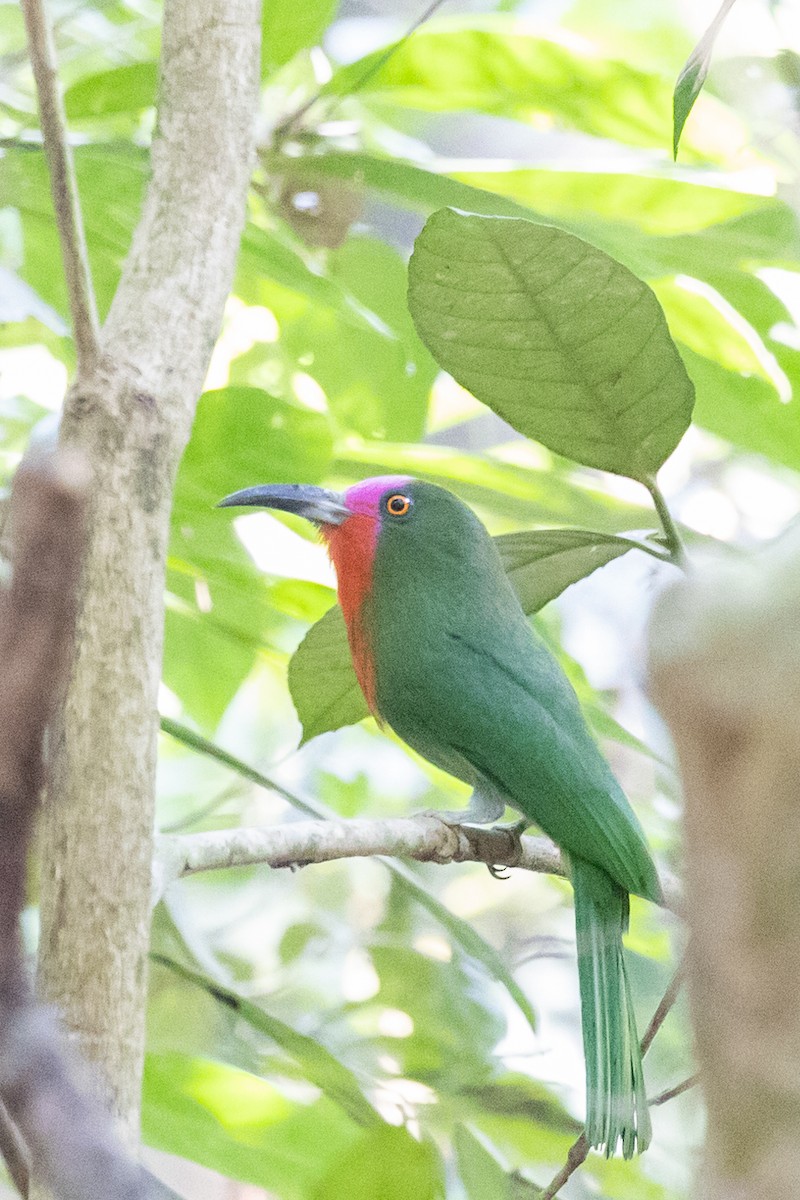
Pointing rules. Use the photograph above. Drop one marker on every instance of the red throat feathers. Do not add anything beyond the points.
(352, 547)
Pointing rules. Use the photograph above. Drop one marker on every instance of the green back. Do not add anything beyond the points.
(462, 678)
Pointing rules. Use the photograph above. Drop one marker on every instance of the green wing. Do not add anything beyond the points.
(505, 707)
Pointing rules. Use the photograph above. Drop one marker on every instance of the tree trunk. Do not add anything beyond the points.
(725, 668)
(132, 414)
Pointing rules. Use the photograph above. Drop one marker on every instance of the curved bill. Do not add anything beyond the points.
(314, 503)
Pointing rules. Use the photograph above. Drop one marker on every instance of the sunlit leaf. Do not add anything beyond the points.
(319, 1066)
(288, 28)
(692, 77)
(240, 1125)
(122, 89)
(385, 1164)
(554, 335)
(653, 199)
(495, 65)
(223, 612)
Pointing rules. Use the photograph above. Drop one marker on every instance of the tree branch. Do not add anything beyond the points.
(68, 1138)
(300, 843)
(63, 185)
(132, 416)
(677, 1090)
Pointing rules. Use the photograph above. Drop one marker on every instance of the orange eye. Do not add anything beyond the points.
(398, 505)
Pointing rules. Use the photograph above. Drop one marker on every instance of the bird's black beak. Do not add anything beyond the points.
(314, 503)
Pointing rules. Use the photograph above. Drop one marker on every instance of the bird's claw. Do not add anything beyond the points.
(497, 872)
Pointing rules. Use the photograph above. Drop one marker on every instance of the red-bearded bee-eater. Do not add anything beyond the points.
(446, 657)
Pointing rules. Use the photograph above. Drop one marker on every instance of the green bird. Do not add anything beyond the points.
(445, 656)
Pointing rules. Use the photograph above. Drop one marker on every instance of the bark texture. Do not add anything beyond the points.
(725, 668)
(131, 415)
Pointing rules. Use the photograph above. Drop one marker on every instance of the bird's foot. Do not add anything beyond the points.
(497, 872)
(514, 830)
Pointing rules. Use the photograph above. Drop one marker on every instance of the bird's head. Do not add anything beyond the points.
(378, 499)
(350, 522)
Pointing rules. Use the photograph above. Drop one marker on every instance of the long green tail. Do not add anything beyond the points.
(616, 1103)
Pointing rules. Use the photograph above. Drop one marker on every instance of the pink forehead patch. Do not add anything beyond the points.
(364, 497)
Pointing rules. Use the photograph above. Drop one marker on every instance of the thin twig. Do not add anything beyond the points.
(678, 1090)
(660, 1015)
(64, 187)
(579, 1151)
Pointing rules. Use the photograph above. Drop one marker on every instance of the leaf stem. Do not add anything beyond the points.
(674, 541)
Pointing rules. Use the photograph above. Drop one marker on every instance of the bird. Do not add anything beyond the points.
(447, 658)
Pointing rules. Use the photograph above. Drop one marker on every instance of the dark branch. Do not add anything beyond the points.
(70, 1142)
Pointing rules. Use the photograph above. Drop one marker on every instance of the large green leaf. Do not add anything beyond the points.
(540, 564)
(385, 1164)
(496, 65)
(558, 338)
(319, 1066)
(240, 1125)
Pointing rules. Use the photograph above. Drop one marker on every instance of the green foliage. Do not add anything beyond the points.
(693, 75)
(493, 65)
(125, 89)
(288, 28)
(555, 336)
(322, 376)
(388, 1163)
(238, 1124)
(318, 1065)
(322, 681)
